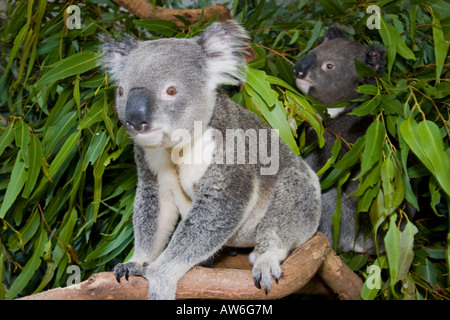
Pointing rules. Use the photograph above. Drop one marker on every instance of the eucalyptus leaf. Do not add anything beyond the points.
(375, 136)
(15, 185)
(70, 66)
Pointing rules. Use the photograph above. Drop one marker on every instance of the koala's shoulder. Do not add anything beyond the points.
(229, 115)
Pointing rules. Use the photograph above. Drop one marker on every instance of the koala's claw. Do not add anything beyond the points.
(264, 270)
(265, 284)
(257, 281)
(126, 269)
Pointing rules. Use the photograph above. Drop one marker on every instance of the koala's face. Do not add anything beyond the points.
(163, 88)
(166, 85)
(327, 73)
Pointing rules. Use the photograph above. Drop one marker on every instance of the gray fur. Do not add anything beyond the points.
(219, 203)
(330, 86)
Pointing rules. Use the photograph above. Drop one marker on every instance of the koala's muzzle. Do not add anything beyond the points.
(302, 65)
(137, 110)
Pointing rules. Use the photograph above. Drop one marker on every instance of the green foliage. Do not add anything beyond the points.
(67, 172)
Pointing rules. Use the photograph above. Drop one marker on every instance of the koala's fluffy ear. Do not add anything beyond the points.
(334, 32)
(115, 53)
(224, 44)
(375, 58)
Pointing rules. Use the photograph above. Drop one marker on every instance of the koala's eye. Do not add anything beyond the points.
(329, 66)
(121, 91)
(171, 91)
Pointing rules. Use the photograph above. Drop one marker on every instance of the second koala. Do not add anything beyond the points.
(328, 74)
(168, 85)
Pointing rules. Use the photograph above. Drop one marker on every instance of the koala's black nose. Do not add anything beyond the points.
(302, 65)
(137, 110)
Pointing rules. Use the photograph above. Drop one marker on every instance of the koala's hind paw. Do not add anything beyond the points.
(264, 269)
(127, 269)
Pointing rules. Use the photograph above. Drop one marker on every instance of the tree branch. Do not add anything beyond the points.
(231, 278)
(145, 10)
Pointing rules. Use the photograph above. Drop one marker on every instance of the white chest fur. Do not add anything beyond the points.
(180, 169)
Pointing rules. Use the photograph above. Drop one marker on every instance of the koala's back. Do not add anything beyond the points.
(230, 116)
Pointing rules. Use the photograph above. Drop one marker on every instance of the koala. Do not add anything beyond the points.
(328, 74)
(185, 211)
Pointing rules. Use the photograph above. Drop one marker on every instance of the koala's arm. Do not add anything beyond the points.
(150, 235)
(221, 200)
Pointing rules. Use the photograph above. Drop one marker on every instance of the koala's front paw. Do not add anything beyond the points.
(129, 268)
(264, 268)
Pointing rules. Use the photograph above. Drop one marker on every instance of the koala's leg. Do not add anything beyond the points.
(221, 199)
(291, 219)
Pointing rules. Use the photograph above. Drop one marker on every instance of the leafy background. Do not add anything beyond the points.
(67, 176)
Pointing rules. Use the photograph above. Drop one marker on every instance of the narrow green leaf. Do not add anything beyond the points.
(55, 135)
(65, 233)
(76, 91)
(369, 180)
(394, 43)
(336, 217)
(17, 43)
(410, 195)
(7, 138)
(30, 267)
(368, 89)
(335, 150)
(307, 113)
(257, 80)
(94, 115)
(276, 116)
(367, 107)
(365, 202)
(15, 185)
(392, 243)
(374, 142)
(387, 175)
(98, 143)
(109, 245)
(70, 143)
(408, 130)
(51, 266)
(72, 65)
(26, 233)
(279, 82)
(313, 38)
(22, 135)
(440, 46)
(387, 35)
(35, 154)
(434, 150)
(425, 141)
(399, 249)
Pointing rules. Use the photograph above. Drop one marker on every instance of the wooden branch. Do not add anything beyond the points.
(145, 10)
(340, 278)
(231, 278)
